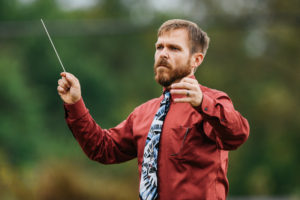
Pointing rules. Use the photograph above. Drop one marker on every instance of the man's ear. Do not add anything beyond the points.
(197, 59)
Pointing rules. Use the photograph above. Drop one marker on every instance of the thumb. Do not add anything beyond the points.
(69, 77)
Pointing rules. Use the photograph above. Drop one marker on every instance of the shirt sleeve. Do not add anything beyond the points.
(114, 145)
(221, 122)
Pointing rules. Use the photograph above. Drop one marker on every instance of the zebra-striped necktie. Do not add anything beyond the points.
(148, 183)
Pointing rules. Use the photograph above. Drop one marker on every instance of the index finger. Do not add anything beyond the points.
(182, 85)
(189, 80)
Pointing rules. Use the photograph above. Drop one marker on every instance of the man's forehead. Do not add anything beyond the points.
(176, 35)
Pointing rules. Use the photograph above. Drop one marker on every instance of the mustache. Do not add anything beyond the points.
(162, 62)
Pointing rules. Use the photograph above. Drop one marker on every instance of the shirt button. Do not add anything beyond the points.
(206, 109)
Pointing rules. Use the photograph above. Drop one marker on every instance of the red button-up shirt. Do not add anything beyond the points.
(194, 144)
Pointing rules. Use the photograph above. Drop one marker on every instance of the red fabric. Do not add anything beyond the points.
(194, 144)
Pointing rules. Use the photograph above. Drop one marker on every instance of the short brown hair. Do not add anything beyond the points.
(199, 40)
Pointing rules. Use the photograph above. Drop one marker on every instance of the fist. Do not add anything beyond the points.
(69, 88)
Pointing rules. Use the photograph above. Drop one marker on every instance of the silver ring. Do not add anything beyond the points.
(187, 94)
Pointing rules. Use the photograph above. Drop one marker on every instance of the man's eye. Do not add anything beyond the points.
(174, 48)
(159, 47)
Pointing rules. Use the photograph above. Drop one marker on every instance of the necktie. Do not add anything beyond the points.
(148, 183)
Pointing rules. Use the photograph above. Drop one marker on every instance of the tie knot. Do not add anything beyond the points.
(167, 95)
(166, 100)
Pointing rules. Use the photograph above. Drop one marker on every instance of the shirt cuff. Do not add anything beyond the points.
(207, 105)
(76, 110)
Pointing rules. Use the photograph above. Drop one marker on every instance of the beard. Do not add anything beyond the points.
(167, 75)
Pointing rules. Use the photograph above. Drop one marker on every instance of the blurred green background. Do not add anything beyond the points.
(254, 56)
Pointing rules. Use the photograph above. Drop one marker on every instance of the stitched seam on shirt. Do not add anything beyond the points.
(220, 166)
(218, 171)
(221, 195)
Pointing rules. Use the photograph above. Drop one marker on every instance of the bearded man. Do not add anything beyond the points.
(182, 138)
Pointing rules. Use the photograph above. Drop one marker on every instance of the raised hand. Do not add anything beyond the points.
(69, 88)
(190, 88)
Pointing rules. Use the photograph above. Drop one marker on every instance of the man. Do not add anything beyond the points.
(181, 139)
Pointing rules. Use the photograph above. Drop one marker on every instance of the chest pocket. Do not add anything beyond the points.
(189, 143)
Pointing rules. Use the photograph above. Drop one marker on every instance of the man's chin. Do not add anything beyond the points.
(165, 84)
(163, 81)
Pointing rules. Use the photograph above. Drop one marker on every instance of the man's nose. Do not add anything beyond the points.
(164, 53)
